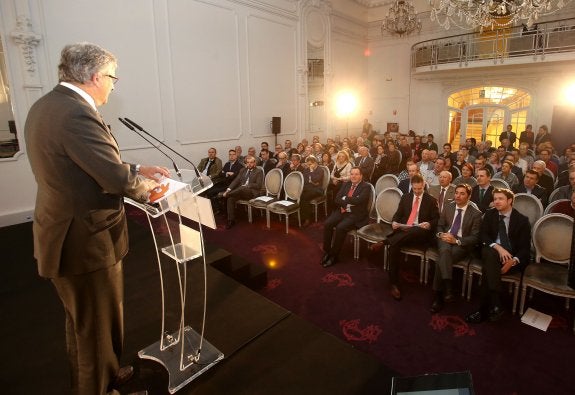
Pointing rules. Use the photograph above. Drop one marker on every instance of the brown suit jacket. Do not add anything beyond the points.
(79, 220)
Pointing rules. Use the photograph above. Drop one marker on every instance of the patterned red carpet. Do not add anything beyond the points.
(351, 301)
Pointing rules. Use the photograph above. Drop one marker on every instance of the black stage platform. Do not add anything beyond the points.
(267, 349)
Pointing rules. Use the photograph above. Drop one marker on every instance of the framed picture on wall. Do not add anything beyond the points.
(392, 127)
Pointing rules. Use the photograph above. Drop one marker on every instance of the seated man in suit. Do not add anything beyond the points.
(351, 212)
(529, 185)
(506, 239)
(414, 222)
(444, 192)
(565, 190)
(266, 162)
(225, 178)
(247, 185)
(405, 184)
(365, 162)
(458, 233)
(545, 180)
(482, 193)
(212, 165)
(566, 207)
(293, 165)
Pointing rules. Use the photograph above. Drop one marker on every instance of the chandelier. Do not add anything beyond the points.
(492, 14)
(401, 19)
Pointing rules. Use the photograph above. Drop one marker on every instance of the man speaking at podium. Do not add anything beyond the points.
(80, 230)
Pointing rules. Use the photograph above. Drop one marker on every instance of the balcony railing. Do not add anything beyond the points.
(497, 46)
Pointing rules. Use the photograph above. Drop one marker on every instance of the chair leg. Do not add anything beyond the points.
(249, 214)
(522, 303)
(469, 284)
(426, 270)
(287, 224)
(421, 269)
(463, 283)
(268, 218)
(515, 296)
(315, 211)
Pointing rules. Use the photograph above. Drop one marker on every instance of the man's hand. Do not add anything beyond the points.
(504, 255)
(152, 172)
(425, 225)
(395, 225)
(448, 238)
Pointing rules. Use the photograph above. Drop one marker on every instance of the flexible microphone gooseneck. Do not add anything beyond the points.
(141, 129)
(129, 126)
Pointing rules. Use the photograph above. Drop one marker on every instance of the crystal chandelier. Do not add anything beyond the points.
(492, 14)
(401, 19)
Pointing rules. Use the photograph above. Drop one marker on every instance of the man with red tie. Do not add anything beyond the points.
(414, 222)
(351, 212)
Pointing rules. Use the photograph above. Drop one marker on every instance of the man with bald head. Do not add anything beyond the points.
(444, 191)
(545, 180)
(365, 162)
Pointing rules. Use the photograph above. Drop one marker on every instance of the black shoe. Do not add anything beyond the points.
(437, 304)
(395, 293)
(230, 224)
(448, 296)
(324, 259)
(330, 262)
(476, 318)
(495, 314)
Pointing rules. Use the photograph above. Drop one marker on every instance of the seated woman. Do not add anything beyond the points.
(339, 175)
(312, 187)
(466, 176)
(327, 161)
(380, 164)
(506, 175)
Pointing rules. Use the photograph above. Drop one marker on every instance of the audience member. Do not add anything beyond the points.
(542, 136)
(379, 164)
(564, 192)
(221, 183)
(351, 212)
(393, 161)
(312, 188)
(432, 177)
(416, 148)
(506, 238)
(239, 154)
(545, 180)
(430, 144)
(566, 207)
(447, 153)
(458, 234)
(340, 173)
(529, 186)
(252, 152)
(482, 193)
(414, 222)
(266, 162)
(508, 134)
(365, 163)
(406, 153)
(293, 165)
(282, 161)
(405, 184)
(506, 175)
(527, 136)
(444, 191)
(327, 161)
(247, 185)
(212, 165)
(545, 156)
(466, 176)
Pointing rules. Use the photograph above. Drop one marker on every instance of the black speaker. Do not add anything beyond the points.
(276, 125)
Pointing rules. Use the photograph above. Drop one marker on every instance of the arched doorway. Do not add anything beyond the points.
(483, 112)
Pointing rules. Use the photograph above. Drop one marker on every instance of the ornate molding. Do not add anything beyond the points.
(27, 40)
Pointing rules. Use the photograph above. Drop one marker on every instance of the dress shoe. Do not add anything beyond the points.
(476, 317)
(230, 224)
(124, 375)
(448, 296)
(395, 292)
(437, 305)
(306, 223)
(324, 259)
(495, 314)
(330, 261)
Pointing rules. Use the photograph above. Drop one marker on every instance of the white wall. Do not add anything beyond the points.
(194, 73)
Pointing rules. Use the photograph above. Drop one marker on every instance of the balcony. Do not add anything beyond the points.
(546, 42)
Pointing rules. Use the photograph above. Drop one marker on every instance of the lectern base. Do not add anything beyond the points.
(170, 358)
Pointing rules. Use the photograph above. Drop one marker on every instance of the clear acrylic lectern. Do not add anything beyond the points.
(183, 351)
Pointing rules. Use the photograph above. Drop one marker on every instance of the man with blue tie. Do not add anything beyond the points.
(506, 239)
(482, 193)
(458, 233)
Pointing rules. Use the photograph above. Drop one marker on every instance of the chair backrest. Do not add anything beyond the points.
(386, 204)
(552, 238)
(274, 182)
(528, 205)
(384, 182)
(371, 201)
(551, 206)
(554, 194)
(498, 183)
(549, 173)
(457, 172)
(326, 178)
(293, 185)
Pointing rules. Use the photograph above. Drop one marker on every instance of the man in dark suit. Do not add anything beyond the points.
(545, 180)
(80, 230)
(267, 162)
(293, 165)
(458, 233)
(365, 163)
(229, 172)
(247, 185)
(414, 222)
(212, 165)
(529, 185)
(405, 185)
(506, 239)
(351, 212)
(509, 134)
(482, 193)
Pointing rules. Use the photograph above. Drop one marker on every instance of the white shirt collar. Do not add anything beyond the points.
(82, 93)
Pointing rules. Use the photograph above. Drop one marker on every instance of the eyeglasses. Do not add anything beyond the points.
(114, 79)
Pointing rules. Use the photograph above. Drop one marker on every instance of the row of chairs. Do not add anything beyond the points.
(292, 187)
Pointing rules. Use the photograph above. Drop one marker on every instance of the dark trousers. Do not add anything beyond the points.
(240, 193)
(491, 278)
(342, 223)
(401, 238)
(93, 303)
(307, 195)
(448, 253)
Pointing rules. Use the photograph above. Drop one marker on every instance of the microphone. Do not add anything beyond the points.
(126, 124)
(141, 129)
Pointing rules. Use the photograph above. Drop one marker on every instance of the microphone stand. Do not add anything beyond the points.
(141, 129)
